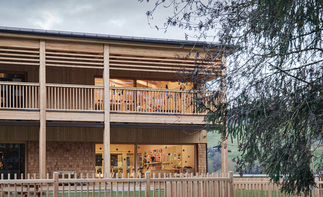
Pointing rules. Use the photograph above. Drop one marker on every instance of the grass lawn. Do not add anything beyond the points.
(250, 193)
(214, 139)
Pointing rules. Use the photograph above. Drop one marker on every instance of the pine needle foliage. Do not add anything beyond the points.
(272, 81)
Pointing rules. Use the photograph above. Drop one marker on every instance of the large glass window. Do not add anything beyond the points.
(145, 84)
(163, 85)
(153, 158)
(165, 159)
(122, 159)
(12, 159)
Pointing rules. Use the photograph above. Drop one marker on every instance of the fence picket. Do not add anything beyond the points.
(140, 186)
(128, 183)
(159, 186)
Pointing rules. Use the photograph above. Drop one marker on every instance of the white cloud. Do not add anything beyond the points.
(48, 20)
(116, 17)
(117, 22)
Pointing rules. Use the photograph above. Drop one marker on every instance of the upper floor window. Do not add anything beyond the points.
(145, 84)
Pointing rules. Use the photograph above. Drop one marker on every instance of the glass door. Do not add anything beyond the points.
(121, 160)
(12, 159)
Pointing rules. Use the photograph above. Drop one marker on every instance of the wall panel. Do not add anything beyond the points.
(74, 46)
(118, 135)
(19, 43)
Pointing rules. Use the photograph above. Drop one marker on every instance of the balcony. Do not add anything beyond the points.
(66, 100)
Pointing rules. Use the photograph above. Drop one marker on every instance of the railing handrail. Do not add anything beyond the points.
(73, 86)
(147, 89)
(25, 181)
(19, 83)
(102, 87)
(159, 90)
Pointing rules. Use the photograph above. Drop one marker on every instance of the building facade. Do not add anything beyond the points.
(87, 103)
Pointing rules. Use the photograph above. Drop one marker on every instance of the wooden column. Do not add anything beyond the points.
(224, 156)
(136, 158)
(224, 144)
(106, 132)
(42, 107)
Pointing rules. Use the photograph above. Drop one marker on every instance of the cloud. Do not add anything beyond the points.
(116, 17)
(48, 20)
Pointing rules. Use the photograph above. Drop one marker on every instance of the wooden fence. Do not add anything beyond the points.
(260, 185)
(182, 185)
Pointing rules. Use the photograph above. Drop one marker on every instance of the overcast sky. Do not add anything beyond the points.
(115, 17)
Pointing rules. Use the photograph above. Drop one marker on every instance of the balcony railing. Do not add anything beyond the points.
(90, 98)
(143, 100)
(19, 95)
(74, 97)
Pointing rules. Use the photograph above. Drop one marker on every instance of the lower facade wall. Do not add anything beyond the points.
(73, 148)
(79, 157)
(63, 156)
(201, 156)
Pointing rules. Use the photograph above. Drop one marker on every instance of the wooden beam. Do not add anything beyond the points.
(62, 61)
(121, 117)
(75, 116)
(18, 59)
(72, 57)
(19, 43)
(159, 58)
(158, 118)
(42, 114)
(15, 50)
(154, 62)
(19, 63)
(21, 115)
(74, 66)
(20, 55)
(106, 132)
(97, 55)
(224, 144)
(224, 156)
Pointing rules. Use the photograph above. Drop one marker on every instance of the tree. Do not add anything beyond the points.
(274, 78)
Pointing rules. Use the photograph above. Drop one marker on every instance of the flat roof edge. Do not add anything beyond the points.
(107, 37)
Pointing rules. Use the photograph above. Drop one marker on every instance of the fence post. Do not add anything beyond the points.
(230, 185)
(316, 189)
(55, 185)
(147, 191)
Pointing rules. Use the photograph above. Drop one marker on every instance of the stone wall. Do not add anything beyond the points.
(201, 155)
(63, 156)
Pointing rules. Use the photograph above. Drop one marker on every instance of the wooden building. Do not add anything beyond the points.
(88, 103)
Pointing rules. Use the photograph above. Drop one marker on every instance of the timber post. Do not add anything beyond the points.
(55, 185)
(42, 110)
(230, 187)
(224, 143)
(106, 132)
(147, 190)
